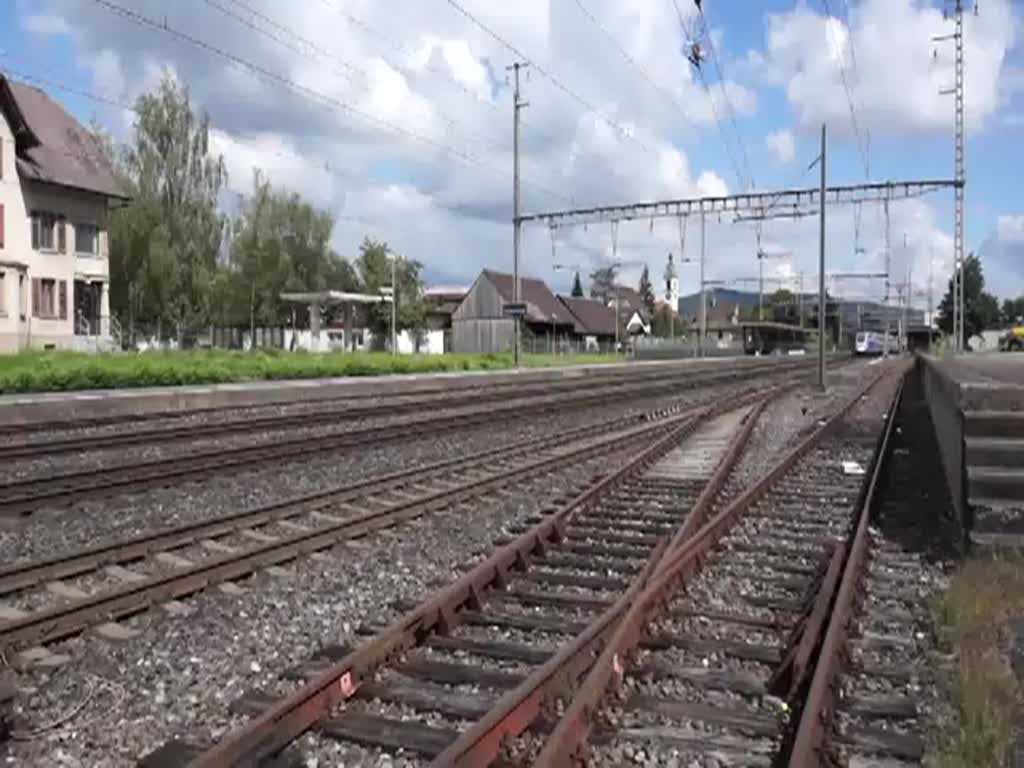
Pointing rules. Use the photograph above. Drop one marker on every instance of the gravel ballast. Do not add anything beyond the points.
(182, 672)
(179, 675)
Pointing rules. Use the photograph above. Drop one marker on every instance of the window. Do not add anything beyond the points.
(85, 238)
(49, 298)
(3, 296)
(1, 226)
(43, 228)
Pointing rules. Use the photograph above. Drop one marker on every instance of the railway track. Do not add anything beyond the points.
(231, 548)
(478, 662)
(328, 412)
(723, 636)
(874, 683)
(26, 496)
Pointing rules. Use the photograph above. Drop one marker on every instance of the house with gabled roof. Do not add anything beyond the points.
(480, 323)
(595, 322)
(56, 188)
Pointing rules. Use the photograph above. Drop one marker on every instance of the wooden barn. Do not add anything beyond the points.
(479, 323)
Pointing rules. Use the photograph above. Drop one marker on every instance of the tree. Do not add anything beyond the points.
(577, 286)
(647, 291)
(1012, 309)
(661, 324)
(374, 267)
(164, 244)
(602, 283)
(981, 309)
(281, 243)
(781, 307)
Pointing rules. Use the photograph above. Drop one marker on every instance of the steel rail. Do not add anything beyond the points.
(515, 711)
(23, 497)
(197, 431)
(57, 623)
(811, 735)
(569, 378)
(284, 721)
(567, 742)
(173, 433)
(24, 575)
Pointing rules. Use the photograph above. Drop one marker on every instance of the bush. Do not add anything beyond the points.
(64, 371)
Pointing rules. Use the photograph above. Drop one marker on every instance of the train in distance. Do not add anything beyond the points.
(870, 343)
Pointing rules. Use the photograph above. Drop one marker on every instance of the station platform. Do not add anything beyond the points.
(976, 403)
(26, 409)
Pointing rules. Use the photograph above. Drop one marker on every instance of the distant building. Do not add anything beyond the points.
(480, 324)
(56, 188)
(594, 322)
(441, 304)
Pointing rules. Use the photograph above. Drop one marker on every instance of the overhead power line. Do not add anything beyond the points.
(711, 102)
(865, 158)
(441, 72)
(29, 77)
(364, 78)
(720, 71)
(302, 90)
(632, 61)
(540, 69)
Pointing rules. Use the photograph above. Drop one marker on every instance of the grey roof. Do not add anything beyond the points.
(592, 316)
(52, 146)
(541, 304)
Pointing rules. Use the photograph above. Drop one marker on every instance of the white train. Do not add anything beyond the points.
(870, 343)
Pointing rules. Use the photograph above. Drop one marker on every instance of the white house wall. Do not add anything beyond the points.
(16, 244)
(76, 207)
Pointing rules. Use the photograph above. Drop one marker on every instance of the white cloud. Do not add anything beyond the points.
(46, 24)
(894, 71)
(781, 145)
(451, 208)
(1011, 229)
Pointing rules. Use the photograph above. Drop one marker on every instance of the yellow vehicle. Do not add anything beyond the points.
(1013, 339)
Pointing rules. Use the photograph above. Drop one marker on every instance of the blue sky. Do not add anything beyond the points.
(432, 71)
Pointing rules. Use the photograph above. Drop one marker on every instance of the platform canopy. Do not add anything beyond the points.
(333, 298)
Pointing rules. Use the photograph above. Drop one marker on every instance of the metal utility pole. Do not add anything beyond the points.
(888, 272)
(800, 299)
(703, 299)
(518, 104)
(822, 305)
(931, 279)
(394, 304)
(615, 280)
(959, 174)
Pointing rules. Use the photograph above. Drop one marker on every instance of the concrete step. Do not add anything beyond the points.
(994, 451)
(992, 397)
(994, 424)
(999, 545)
(997, 483)
(997, 516)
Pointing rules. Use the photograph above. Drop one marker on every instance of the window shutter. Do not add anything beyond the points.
(1, 225)
(62, 236)
(63, 299)
(36, 297)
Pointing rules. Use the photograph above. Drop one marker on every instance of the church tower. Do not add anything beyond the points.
(671, 285)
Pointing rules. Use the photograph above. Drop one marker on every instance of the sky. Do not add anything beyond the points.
(397, 117)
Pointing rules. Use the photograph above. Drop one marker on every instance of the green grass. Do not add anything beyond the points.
(64, 371)
(971, 618)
